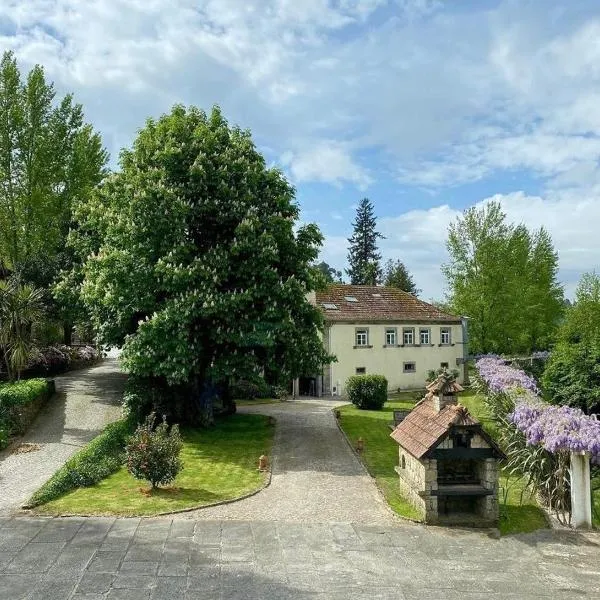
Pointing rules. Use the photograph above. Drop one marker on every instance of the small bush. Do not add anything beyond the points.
(368, 392)
(432, 375)
(102, 456)
(153, 453)
(59, 358)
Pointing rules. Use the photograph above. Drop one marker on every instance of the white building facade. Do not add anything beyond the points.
(384, 331)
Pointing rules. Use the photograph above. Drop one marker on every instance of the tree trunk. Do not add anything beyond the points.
(67, 333)
(200, 410)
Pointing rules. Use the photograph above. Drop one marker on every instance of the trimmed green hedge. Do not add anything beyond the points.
(102, 456)
(20, 401)
(367, 392)
(21, 392)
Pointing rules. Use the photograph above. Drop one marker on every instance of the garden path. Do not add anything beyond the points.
(85, 402)
(316, 478)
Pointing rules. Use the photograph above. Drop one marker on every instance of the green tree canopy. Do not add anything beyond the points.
(329, 274)
(396, 275)
(49, 158)
(572, 373)
(193, 265)
(505, 279)
(363, 256)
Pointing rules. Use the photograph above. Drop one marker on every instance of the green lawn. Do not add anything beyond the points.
(219, 464)
(596, 501)
(380, 453)
(518, 511)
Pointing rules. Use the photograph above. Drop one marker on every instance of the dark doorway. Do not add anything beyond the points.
(308, 386)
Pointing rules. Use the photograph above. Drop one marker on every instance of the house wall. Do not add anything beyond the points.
(389, 361)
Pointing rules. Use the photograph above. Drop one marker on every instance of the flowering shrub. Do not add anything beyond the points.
(153, 454)
(59, 358)
(537, 437)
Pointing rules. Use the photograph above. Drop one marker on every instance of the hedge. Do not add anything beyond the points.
(20, 402)
(367, 392)
(103, 456)
(21, 392)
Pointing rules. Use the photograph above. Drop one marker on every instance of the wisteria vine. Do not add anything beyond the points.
(555, 428)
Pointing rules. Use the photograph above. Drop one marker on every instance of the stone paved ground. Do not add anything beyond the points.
(86, 401)
(93, 559)
(316, 477)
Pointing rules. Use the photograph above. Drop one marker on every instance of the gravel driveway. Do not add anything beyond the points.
(86, 401)
(316, 477)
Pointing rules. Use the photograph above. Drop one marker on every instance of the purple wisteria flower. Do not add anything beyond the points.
(556, 428)
(502, 378)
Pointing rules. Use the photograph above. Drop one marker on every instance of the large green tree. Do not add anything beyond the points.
(364, 258)
(329, 274)
(396, 275)
(505, 279)
(572, 373)
(192, 263)
(49, 160)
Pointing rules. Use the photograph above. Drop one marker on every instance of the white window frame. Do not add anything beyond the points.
(411, 331)
(393, 333)
(443, 332)
(426, 330)
(409, 362)
(359, 334)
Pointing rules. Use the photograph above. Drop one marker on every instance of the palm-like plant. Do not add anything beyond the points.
(21, 308)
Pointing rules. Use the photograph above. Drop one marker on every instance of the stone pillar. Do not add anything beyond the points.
(581, 493)
(296, 388)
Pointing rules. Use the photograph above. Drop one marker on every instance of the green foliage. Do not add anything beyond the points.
(192, 263)
(363, 256)
(49, 158)
(434, 374)
(21, 392)
(15, 397)
(367, 392)
(101, 457)
(329, 274)
(396, 275)
(249, 390)
(572, 373)
(153, 453)
(505, 279)
(21, 309)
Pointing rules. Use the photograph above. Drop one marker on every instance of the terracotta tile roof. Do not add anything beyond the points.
(424, 427)
(376, 303)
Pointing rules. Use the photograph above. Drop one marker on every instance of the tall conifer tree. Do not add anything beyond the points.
(363, 255)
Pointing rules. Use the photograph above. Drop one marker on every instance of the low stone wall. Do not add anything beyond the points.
(417, 479)
(21, 416)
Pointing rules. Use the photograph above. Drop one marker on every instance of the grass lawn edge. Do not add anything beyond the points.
(366, 469)
(262, 481)
(36, 510)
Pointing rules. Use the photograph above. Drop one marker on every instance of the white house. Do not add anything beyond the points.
(384, 331)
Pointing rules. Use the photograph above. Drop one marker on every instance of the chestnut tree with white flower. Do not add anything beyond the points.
(192, 260)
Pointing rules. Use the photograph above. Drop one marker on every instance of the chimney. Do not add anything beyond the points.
(443, 391)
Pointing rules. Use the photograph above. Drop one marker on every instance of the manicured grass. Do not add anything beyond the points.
(380, 453)
(518, 514)
(219, 464)
(596, 501)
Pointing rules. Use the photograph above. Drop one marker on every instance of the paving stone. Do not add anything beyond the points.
(139, 567)
(95, 583)
(106, 561)
(144, 552)
(134, 581)
(182, 529)
(34, 558)
(16, 587)
(54, 588)
(169, 588)
(128, 594)
(59, 530)
(73, 559)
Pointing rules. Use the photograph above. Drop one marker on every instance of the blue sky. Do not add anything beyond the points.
(424, 106)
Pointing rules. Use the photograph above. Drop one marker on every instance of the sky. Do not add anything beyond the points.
(426, 107)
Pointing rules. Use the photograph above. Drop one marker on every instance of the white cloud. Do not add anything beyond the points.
(328, 161)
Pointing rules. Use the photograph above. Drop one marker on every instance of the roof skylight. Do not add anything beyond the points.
(330, 306)
(350, 299)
